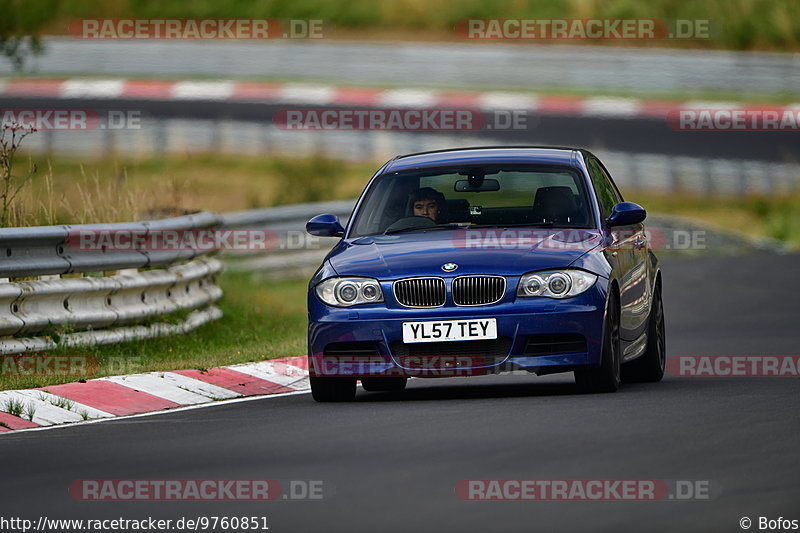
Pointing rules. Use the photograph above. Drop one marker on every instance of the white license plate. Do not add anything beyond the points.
(450, 330)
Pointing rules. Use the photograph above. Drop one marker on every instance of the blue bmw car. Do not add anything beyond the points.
(485, 260)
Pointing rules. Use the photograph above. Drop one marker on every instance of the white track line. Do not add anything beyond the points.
(501, 100)
(77, 88)
(411, 98)
(612, 107)
(202, 90)
(306, 94)
(154, 413)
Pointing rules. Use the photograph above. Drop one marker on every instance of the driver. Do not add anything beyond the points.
(427, 202)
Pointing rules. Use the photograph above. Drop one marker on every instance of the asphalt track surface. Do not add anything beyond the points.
(390, 462)
(645, 135)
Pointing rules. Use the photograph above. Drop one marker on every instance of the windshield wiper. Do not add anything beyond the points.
(523, 225)
(423, 228)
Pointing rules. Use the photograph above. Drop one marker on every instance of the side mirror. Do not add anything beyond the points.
(626, 214)
(325, 226)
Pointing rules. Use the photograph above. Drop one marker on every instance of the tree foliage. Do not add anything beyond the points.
(20, 24)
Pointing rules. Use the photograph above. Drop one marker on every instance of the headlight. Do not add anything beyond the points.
(345, 292)
(555, 283)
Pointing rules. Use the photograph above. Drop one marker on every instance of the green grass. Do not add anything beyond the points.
(118, 189)
(775, 217)
(13, 407)
(63, 403)
(29, 412)
(262, 320)
(740, 24)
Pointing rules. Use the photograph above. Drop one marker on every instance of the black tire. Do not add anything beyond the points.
(605, 378)
(333, 389)
(392, 384)
(649, 367)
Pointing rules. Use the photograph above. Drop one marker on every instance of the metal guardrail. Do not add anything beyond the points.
(46, 250)
(49, 285)
(101, 308)
(466, 64)
(284, 222)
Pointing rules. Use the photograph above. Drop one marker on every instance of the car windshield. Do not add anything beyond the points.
(452, 198)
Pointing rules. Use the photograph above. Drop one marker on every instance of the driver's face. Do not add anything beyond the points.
(426, 208)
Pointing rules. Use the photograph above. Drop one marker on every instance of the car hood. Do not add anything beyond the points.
(506, 252)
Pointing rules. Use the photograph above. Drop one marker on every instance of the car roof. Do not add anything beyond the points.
(485, 155)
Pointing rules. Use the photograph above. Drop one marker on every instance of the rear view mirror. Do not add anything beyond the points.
(485, 185)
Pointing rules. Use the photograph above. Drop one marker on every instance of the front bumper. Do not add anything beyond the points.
(519, 321)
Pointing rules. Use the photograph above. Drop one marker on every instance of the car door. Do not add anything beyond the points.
(627, 252)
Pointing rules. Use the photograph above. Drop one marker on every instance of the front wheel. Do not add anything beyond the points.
(333, 389)
(606, 377)
(649, 367)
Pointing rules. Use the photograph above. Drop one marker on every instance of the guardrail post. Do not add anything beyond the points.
(160, 137)
(674, 175)
(215, 141)
(772, 186)
(266, 138)
(741, 174)
(708, 176)
(110, 142)
(633, 172)
(48, 142)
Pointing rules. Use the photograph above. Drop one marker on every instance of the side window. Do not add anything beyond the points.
(607, 194)
(610, 181)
